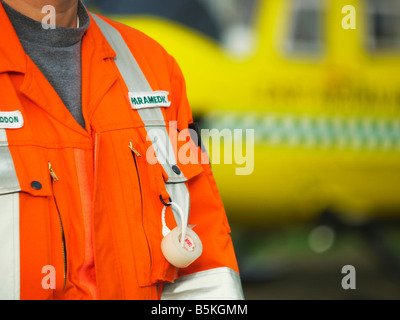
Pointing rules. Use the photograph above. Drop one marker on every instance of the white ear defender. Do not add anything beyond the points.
(182, 245)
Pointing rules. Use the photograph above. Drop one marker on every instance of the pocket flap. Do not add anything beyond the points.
(27, 171)
(180, 172)
(187, 163)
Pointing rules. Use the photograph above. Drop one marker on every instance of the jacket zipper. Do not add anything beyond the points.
(136, 155)
(54, 178)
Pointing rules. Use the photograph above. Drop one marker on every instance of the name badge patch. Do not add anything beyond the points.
(11, 120)
(143, 100)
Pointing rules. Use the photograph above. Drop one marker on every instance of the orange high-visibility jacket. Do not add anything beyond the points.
(80, 210)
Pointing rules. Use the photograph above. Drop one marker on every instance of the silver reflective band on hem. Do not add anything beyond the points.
(9, 225)
(213, 284)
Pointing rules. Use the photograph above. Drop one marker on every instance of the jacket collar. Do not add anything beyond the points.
(14, 59)
(99, 42)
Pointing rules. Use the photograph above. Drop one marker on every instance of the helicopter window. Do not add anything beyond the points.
(235, 19)
(384, 29)
(305, 33)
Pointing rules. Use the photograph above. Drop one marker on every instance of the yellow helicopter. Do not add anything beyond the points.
(321, 91)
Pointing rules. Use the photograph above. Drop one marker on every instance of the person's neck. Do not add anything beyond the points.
(66, 10)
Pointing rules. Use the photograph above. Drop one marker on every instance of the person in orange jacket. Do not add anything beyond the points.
(94, 197)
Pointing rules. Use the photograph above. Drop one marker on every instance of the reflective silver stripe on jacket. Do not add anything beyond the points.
(9, 224)
(220, 283)
(152, 118)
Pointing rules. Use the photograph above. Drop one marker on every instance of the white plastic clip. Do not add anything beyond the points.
(181, 246)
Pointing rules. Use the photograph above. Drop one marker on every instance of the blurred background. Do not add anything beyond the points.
(324, 104)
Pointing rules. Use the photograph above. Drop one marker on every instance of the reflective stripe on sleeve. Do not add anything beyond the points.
(214, 284)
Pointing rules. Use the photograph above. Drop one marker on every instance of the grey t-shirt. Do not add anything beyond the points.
(57, 53)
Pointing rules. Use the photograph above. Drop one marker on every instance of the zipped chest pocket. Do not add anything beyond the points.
(144, 259)
(121, 210)
(54, 179)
